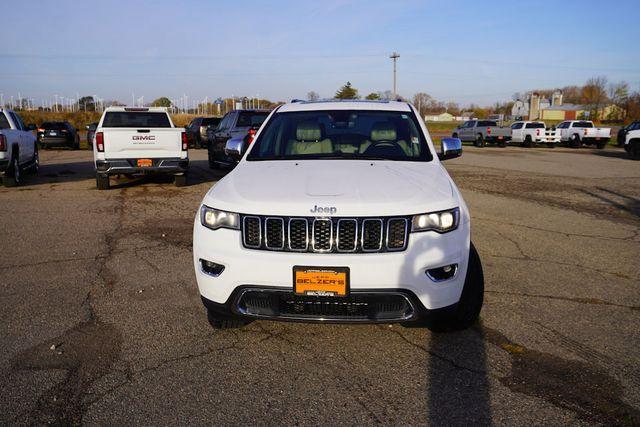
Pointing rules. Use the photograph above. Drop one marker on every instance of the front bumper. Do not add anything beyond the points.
(369, 272)
(129, 166)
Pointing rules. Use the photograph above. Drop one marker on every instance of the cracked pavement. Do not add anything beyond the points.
(102, 321)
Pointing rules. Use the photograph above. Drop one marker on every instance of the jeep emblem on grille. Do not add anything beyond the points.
(323, 210)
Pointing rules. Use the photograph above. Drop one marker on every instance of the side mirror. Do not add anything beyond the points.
(31, 126)
(235, 148)
(450, 148)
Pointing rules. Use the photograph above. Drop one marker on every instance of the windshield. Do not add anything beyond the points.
(342, 134)
(251, 118)
(130, 119)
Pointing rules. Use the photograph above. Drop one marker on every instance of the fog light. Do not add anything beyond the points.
(211, 268)
(445, 272)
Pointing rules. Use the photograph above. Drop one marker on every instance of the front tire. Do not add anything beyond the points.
(223, 322)
(102, 181)
(634, 150)
(527, 142)
(574, 142)
(13, 177)
(479, 142)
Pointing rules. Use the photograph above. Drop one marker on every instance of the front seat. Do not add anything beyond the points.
(384, 132)
(309, 140)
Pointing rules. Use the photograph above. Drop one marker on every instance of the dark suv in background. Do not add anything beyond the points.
(197, 130)
(58, 134)
(237, 123)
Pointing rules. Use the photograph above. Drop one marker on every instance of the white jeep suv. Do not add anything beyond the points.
(341, 212)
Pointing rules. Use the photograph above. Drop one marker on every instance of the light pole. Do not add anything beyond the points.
(395, 57)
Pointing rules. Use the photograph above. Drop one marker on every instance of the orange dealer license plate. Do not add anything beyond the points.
(145, 163)
(321, 281)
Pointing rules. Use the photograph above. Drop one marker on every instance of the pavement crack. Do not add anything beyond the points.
(590, 301)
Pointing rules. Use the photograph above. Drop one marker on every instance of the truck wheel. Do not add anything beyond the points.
(479, 142)
(35, 160)
(102, 181)
(220, 322)
(13, 177)
(181, 180)
(502, 143)
(574, 142)
(527, 141)
(634, 150)
(600, 145)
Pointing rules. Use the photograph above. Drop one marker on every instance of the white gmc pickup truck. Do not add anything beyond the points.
(338, 211)
(18, 148)
(530, 133)
(134, 141)
(578, 132)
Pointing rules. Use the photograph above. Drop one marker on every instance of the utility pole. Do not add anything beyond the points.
(395, 57)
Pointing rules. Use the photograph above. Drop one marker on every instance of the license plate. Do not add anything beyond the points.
(145, 163)
(53, 133)
(597, 138)
(321, 281)
(500, 137)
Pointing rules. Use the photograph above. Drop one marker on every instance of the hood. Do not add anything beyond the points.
(333, 188)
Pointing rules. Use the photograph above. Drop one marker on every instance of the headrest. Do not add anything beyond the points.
(383, 131)
(309, 131)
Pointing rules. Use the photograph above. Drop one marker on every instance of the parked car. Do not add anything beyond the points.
(622, 133)
(18, 148)
(234, 123)
(578, 132)
(133, 141)
(338, 212)
(58, 134)
(481, 132)
(197, 130)
(632, 143)
(91, 131)
(530, 133)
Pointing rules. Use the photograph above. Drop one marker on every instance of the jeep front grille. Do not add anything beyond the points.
(325, 235)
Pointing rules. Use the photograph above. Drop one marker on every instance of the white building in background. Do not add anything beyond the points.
(531, 107)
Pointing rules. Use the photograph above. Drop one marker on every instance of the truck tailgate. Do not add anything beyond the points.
(128, 143)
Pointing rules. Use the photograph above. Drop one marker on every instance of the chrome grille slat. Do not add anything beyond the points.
(325, 235)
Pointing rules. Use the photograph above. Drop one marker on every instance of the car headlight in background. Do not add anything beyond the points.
(441, 222)
(214, 218)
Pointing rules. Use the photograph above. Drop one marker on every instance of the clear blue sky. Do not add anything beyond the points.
(463, 51)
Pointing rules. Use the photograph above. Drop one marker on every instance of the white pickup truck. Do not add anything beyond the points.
(18, 148)
(578, 132)
(134, 141)
(530, 133)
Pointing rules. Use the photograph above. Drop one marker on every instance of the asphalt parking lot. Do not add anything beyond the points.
(102, 321)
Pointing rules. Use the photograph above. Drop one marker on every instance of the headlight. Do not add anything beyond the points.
(441, 222)
(214, 218)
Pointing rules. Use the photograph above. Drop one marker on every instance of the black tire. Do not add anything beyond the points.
(502, 143)
(35, 160)
(212, 158)
(181, 180)
(224, 322)
(13, 176)
(467, 311)
(102, 181)
(575, 142)
(600, 145)
(479, 141)
(634, 150)
(527, 141)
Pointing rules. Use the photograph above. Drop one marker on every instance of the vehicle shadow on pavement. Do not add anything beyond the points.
(458, 386)
(616, 200)
(613, 153)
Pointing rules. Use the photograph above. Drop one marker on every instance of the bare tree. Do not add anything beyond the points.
(421, 101)
(313, 95)
(619, 95)
(594, 94)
